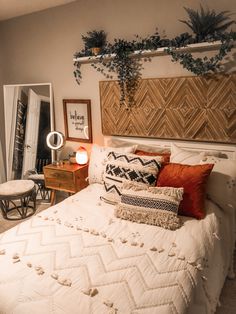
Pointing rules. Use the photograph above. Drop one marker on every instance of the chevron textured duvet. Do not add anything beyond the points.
(76, 257)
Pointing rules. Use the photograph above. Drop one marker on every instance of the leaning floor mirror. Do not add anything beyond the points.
(29, 117)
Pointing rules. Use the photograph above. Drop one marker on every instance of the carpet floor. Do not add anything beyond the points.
(228, 294)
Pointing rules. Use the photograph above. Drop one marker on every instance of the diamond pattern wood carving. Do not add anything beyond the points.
(187, 108)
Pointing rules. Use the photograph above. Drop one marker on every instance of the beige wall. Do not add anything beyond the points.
(39, 47)
(2, 134)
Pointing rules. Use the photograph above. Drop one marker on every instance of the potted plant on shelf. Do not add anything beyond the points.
(207, 24)
(95, 41)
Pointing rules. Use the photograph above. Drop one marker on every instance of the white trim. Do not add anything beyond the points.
(33, 84)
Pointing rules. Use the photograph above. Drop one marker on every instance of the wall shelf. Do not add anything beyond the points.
(206, 46)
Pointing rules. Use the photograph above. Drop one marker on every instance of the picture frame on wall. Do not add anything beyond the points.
(77, 118)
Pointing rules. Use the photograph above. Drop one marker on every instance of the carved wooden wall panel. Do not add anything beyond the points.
(186, 108)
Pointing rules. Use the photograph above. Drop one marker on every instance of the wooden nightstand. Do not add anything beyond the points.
(68, 177)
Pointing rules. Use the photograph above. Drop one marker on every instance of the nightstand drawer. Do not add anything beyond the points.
(60, 185)
(68, 177)
(62, 176)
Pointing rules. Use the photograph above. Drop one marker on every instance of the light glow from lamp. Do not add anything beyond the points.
(81, 156)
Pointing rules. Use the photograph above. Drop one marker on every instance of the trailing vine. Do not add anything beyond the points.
(124, 57)
(205, 65)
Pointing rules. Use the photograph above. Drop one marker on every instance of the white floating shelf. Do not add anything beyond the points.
(206, 46)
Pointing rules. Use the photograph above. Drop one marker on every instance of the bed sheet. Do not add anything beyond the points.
(76, 257)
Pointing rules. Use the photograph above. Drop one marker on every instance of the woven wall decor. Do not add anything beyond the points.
(186, 108)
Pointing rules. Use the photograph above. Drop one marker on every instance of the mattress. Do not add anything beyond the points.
(76, 257)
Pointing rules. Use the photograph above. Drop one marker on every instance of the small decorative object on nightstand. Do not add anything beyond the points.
(81, 156)
(68, 177)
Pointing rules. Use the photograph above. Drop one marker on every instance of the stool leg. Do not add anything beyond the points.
(4, 207)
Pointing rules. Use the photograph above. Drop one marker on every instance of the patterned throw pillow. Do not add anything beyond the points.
(98, 159)
(122, 167)
(153, 206)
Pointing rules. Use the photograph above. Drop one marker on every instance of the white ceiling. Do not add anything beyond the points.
(13, 8)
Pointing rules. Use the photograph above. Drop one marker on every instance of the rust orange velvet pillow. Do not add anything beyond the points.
(165, 155)
(193, 179)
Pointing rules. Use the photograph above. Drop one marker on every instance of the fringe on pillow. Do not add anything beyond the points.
(169, 191)
(163, 219)
(177, 193)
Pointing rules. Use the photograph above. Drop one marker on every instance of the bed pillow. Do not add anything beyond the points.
(98, 159)
(164, 155)
(193, 179)
(122, 167)
(153, 206)
(221, 186)
(155, 148)
(183, 156)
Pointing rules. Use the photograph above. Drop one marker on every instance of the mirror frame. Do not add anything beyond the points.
(62, 140)
(52, 117)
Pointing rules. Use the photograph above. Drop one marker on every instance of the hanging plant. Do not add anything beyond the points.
(118, 58)
(201, 66)
(124, 57)
(128, 69)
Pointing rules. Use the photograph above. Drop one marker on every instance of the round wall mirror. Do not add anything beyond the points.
(55, 140)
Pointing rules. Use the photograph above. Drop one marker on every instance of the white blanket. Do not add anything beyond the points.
(76, 257)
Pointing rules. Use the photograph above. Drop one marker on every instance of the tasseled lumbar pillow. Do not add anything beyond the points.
(150, 205)
(122, 168)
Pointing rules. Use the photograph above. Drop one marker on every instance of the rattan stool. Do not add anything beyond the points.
(17, 199)
(41, 190)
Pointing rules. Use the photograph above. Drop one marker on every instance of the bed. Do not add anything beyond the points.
(77, 257)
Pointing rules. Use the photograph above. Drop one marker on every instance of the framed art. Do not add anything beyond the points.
(78, 122)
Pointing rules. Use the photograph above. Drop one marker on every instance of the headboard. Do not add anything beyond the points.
(225, 150)
(183, 108)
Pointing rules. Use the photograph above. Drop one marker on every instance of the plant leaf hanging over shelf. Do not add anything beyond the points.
(124, 57)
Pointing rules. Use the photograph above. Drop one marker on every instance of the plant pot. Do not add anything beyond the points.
(96, 50)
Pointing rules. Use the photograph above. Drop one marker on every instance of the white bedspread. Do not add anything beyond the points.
(51, 262)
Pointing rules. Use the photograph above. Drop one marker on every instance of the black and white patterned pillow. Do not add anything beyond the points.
(122, 168)
(150, 205)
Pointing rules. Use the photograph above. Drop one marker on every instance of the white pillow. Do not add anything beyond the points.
(98, 159)
(183, 156)
(221, 185)
(147, 148)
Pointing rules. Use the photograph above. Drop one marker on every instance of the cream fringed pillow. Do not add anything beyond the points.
(150, 205)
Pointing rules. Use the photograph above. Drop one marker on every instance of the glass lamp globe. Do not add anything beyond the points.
(81, 156)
